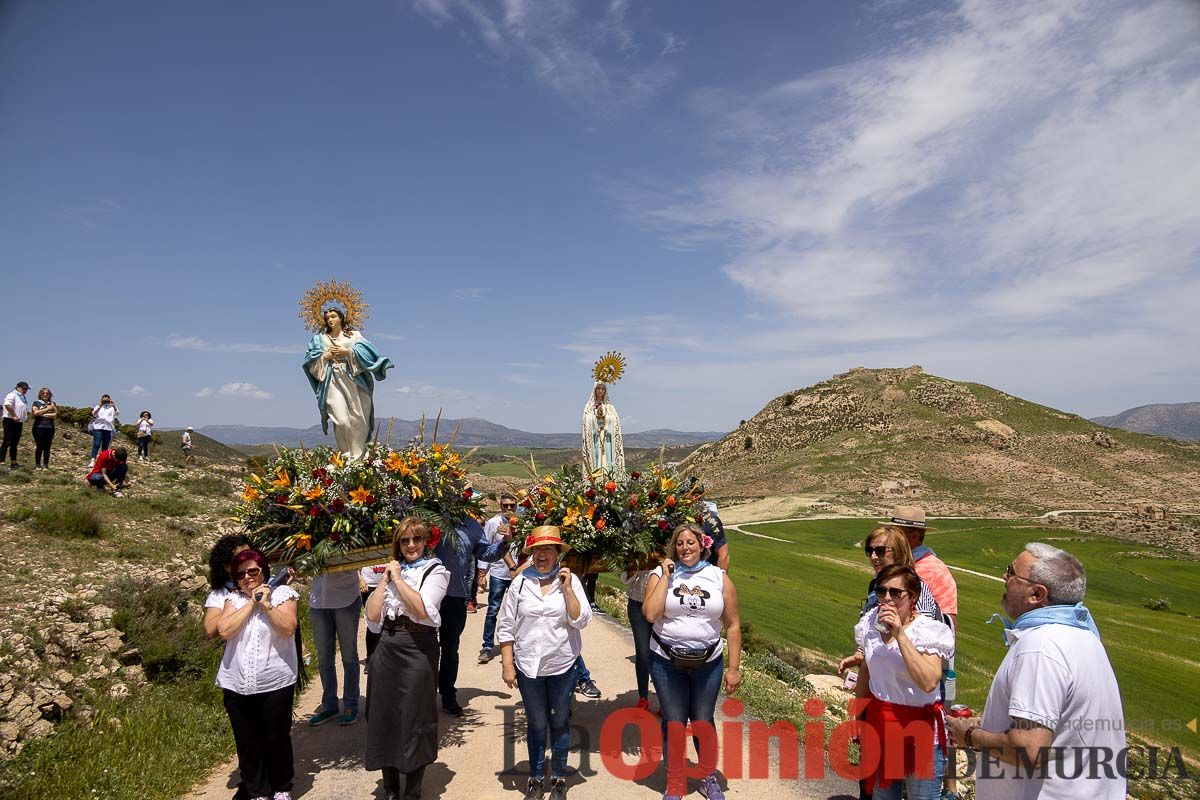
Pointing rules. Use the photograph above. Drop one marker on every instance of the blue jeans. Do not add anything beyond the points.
(918, 788)
(342, 623)
(496, 590)
(685, 696)
(547, 705)
(641, 646)
(100, 441)
(116, 475)
(582, 673)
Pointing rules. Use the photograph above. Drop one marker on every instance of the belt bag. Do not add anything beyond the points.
(686, 659)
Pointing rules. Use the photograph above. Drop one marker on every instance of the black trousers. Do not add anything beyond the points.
(454, 619)
(372, 638)
(144, 446)
(12, 435)
(262, 731)
(412, 782)
(42, 437)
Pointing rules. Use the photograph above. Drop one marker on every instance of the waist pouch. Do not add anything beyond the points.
(686, 659)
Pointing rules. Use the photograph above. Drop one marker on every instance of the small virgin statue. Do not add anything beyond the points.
(603, 450)
(342, 367)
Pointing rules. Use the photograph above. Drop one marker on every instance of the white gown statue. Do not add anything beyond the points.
(342, 367)
(603, 450)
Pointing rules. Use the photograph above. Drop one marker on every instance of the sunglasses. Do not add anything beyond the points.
(509, 506)
(876, 551)
(253, 572)
(413, 540)
(884, 592)
(1009, 572)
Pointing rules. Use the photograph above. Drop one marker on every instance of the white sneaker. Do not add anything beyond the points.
(91, 463)
(117, 494)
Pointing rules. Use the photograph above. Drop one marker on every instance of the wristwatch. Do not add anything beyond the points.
(967, 737)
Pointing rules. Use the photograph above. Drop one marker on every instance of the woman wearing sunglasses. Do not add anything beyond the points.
(401, 711)
(257, 675)
(902, 665)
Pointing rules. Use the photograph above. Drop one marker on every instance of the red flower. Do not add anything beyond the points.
(591, 494)
(334, 536)
(327, 481)
(468, 494)
(635, 475)
(338, 505)
(670, 501)
(539, 517)
(392, 488)
(699, 520)
(611, 486)
(435, 536)
(601, 524)
(312, 512)
(663, 525)
(281, 499)
(526, 503)
(633, 501)
(370, 500)
(653, 494)
(320, 472)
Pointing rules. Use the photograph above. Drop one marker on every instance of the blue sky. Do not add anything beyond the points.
(744, 198)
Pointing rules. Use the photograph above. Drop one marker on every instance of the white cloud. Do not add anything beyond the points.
(1007, 164)
(584, 51)
(205, 392)
(387, 337)
(470, 292)
(178, 342)
(135, 390)
(245, 391)
(426, 391)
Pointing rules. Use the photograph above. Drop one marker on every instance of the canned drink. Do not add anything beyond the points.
(959, 710)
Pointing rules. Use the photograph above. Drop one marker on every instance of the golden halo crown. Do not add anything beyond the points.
(609, 367)
(332, 294)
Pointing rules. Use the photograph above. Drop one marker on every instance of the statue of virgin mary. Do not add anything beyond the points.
(342, 367)
(603, 451)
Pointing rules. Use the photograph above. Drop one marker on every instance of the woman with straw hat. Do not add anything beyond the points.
(538, 634)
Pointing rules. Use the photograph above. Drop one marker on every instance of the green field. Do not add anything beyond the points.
(807, 593)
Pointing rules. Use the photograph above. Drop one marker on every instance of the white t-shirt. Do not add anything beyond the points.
(19, 407)
(334, 590)
(1060, 677)
(495, 569)
(103, 417)
(545, 640)
(216, 598)
(890, 680)
(145, 426)
(430, 581)
(259, 659)
(692, 614)
(371, 576)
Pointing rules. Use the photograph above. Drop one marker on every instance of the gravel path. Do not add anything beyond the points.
(475, 749)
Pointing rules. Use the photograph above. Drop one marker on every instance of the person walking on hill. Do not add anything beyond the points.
(103, 424)
(1054, 708)
(15, 412)
(185, 442)
(498, 573)
(44, 413)
(145, 432)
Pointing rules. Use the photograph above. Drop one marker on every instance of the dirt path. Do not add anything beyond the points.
(475, 749)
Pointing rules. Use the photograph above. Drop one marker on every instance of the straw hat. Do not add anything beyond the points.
(909, 517)
(545, 534)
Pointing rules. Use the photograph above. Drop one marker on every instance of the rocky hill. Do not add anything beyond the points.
(869, 437)
(1176, 420)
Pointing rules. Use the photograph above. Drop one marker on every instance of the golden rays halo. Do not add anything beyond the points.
(329, 294)
(609, 367)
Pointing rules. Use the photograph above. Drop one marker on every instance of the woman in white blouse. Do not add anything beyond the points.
(401, 711)
(688, 601)
(257, 675)
(538, 633)
(903, 653)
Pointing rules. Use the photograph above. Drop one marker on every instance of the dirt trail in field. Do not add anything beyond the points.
(475, 749)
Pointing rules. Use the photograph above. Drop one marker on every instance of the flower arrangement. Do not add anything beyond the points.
(615, 521)
(310, 507)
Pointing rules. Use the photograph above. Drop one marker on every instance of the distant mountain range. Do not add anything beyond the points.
(1176, 420)
(474, 432)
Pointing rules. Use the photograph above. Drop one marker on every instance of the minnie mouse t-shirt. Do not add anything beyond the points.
(692, 615)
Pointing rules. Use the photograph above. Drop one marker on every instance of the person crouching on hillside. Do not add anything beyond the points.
(109, 471)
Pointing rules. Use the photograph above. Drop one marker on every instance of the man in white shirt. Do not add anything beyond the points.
(1053, 727)
(15, 412)
(498, 572)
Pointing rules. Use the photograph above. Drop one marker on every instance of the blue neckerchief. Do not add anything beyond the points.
(230, 586)
(681, 569)
(420, 562)
(1076, 616)
(532, 574)
(922, 550)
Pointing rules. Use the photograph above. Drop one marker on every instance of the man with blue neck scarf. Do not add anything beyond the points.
(1053, 727)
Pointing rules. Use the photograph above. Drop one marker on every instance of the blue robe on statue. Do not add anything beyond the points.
(373, 366)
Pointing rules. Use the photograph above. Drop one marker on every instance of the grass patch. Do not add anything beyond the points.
(19, 514)
(169, 475)
(71, 521)
(153, 617)
(209, 486)
(170, 505)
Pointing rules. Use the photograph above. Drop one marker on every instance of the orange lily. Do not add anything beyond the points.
(314, 493)
(360, 495)
(250, 494)
(337, 460)
(282, 481)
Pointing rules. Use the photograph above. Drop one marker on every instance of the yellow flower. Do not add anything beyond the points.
(395, 463)
(314, 493)
(249, 494)
(452, 459)
(303, 541)
(360, 495)
(571, 518)
(417, 494)
(667, 484)
(255, 478)
(591, 510)
(282, 481)
(337, 460)
(437, 449)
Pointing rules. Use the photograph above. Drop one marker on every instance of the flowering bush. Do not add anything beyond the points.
(617, 520)
(311, 506)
